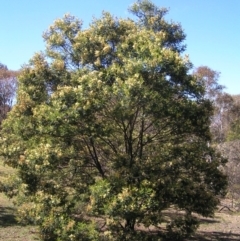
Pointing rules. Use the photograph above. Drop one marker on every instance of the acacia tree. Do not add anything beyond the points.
(112, 131)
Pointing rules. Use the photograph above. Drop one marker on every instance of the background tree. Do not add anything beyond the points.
(224, 125)
(210, 79)
(8, 84)
(231, 150)
(223, 103)
(234, 115)
(112, 132)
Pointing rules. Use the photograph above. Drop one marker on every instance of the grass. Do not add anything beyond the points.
(10, 229)
(224, 227)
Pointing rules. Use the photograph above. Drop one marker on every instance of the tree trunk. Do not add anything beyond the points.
(130, 223)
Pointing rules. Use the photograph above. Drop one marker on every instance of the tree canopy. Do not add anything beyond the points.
(110, 131)
(223, 103)
(8, 84)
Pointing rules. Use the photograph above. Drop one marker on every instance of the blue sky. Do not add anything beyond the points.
(212, 28)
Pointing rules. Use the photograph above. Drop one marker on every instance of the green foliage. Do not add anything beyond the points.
(234, 133)
(181, 228)
(112, 131)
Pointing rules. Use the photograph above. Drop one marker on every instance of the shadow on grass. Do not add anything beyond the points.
(7, 217)
(208, 220)
(215, 236)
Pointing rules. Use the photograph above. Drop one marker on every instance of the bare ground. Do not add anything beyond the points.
(225, 226)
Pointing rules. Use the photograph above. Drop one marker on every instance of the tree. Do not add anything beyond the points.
(234, 115)
(8, 85)
(112, 132)
(223, 103)
(209, 78)
(224, 125)
(231, 150)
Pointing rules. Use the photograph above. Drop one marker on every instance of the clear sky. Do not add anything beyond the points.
(212, 28)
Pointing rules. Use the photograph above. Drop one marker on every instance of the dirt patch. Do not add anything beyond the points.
(225, 226)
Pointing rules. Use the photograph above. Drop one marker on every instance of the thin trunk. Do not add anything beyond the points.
(130, 224)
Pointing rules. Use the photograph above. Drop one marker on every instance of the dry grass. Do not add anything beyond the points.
(10, 229)
(224, 227)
